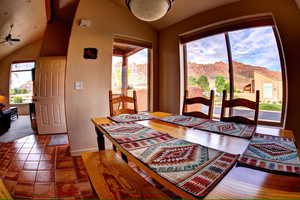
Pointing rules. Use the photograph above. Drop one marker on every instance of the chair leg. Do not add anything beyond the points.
(124, 157)
(114, 148)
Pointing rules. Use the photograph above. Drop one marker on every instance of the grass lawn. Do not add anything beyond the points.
(269, 106)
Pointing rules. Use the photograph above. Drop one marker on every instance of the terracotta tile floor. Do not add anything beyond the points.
(32, 169)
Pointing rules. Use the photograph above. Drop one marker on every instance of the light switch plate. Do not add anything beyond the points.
(78, 85)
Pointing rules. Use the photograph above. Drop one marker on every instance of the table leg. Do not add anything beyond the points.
(100, 139)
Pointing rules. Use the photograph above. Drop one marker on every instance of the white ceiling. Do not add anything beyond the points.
(183, 9)
(29, 19)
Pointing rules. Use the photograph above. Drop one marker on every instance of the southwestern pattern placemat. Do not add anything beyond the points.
(228, 128)
(182, 120)
(130, 117)
(192, 167)
(135, 136)
(273, 154)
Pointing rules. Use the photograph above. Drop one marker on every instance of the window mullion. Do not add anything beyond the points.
(230, 63)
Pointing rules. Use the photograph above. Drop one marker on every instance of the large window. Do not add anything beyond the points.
(249, 59)
(21, 84)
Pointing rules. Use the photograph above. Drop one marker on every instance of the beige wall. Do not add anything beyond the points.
(287, 16)
(260, 80)
(30, 52)
(107, 20)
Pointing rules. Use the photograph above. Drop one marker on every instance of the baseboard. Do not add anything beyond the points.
(78, 152)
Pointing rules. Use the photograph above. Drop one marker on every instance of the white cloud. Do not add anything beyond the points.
(254, 46)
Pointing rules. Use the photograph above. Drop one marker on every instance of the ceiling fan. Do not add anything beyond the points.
(9, 39)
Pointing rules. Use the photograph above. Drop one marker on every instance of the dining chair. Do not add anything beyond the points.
(240, 102)
(199, 100)
(118, 104)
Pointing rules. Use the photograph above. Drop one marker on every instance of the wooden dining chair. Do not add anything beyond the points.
(119, 104)
(240, 102)
(199, 100)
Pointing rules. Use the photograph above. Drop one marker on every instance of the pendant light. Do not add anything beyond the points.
(149, 10)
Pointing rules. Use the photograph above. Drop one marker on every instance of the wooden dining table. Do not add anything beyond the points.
(240, 182)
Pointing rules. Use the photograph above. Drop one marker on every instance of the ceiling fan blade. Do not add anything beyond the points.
(15, 40)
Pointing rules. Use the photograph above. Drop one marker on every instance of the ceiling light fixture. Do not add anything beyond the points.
(149, 10)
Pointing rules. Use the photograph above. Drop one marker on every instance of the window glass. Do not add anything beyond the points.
(138, 77)
(207, 69)
(116, 82)
(257, 66)
(21, 84)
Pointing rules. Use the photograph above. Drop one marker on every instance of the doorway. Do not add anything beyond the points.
(19, 99)
(130, 71)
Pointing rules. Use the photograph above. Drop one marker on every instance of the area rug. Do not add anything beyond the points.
(272, 154)
(19, 128)
(192, 167)
(58, 140)
(130, 117)
(182, 120)
(228, 128)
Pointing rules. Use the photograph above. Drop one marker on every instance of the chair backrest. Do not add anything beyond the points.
(122, 104)
(199, 100)
(254, 105)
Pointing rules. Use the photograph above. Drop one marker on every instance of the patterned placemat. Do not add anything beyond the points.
(182, 120)
(228, 128)
(130, 117)
(134, 136)
(272, 154)
(192, 167)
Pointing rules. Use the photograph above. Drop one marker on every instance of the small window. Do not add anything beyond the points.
(21, 82)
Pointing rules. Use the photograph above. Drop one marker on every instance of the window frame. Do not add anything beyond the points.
(26, 70)
(241, 24)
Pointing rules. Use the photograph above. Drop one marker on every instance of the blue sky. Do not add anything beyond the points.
(253, 46)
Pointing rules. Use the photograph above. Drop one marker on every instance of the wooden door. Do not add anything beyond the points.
(50, 95)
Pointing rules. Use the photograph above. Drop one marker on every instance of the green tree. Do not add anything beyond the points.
(24, 91)
(203, 82)
(17, 99)
(220, 83)
(227, 86)
(19, 91)
(193, 81)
